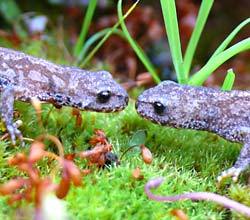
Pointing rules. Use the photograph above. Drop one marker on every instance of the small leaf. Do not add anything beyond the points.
(228, 81)
(138, 138)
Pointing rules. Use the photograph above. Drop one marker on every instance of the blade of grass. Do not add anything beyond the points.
(85, 26)
(10, 11)
(200, 77)
(171, 25)
(230, 37)
(95, 38)
(102, 41)
(138, 50)
(228, 81)
(204, 10)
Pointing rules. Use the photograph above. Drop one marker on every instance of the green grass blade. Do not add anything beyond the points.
(138, 50)
(94, 38)
(10, 11)
(85, 26)
(171, 25)
(204, 10)
(230, 37)
(200, 77)
(228, 81)
(108, 34)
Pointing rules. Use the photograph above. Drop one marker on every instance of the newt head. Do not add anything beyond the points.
(98, 91)
(157, 103)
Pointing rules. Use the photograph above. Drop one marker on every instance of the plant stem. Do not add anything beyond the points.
(85, 26)
(171, 25)
(102, 41)
(95, 38)
(138, 50)
(230, 37)
(204, 10)
(200, 77)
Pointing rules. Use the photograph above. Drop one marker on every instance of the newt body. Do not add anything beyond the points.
(23, 77)
(226, 113)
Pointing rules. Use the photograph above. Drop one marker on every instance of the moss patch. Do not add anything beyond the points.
(189, 161)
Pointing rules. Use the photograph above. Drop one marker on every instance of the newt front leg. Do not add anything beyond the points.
(6, 109)
(242, 162)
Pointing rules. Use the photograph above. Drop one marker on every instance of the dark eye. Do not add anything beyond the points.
(103, 96)
(159, 108)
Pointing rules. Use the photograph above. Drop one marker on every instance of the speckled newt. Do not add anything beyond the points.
(23, 77)
(226, 113)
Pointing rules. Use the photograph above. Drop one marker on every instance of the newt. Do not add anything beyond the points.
(225, 113)
(23, 77)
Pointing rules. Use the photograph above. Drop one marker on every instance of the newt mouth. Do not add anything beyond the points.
(106, 109)
(111, 110)
(142, 111)
(155, 121)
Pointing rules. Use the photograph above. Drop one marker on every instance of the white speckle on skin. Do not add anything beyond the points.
(37, 76)
(10, 73)
(19, 66)
(6, 56)
(58, 81)
(20, 76)
(46, 64)
(4, 65)
(74, 81)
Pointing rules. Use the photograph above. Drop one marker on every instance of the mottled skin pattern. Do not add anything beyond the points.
(23, 77)
(224, 113)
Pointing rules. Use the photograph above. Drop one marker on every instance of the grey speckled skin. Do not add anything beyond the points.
(224, 113)
(23, 77)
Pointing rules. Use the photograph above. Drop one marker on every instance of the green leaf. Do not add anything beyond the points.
(94, 38)
(230, 37)
(204, 10)
(10, 10)
(171, 24)
(138, 138)
(228, 81)
(107, 35)
(85, 26)
(200, 77)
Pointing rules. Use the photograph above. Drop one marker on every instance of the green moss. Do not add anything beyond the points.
(189, 161)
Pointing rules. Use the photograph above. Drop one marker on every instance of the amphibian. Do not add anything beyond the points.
(23, 77)
(226, 113)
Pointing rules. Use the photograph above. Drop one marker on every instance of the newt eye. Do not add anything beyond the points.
(103, 96)
(159, 108)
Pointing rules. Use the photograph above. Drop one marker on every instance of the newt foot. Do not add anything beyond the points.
(14, 133)
(231, 172)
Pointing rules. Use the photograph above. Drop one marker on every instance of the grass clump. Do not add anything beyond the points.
(189, 160)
